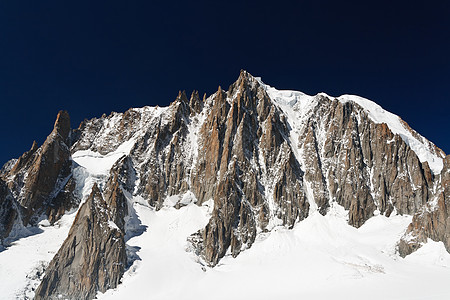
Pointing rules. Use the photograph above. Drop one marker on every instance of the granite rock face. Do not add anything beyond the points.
(93, 257)
(40, 174)
(247, 166)
(433, 220)
(360, 164)
(265, 158)
(8, 211)
(40, 182)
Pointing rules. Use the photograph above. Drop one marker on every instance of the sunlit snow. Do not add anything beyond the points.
(321, 258)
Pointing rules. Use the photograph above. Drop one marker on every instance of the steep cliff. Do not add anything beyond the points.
(432, 220)
(40, 182)
(93, 257)
(8, 211)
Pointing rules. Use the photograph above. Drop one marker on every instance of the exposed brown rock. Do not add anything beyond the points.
(38, 172)
(433, 220)
(237, 148)
(233, 156)
(361, 165)
(345, 157)
(165, 174)
(195, 103)
(24, 159)
(8, 211)
(93, 256)
(288, 192)
(62, 202)
(62, 126)
(313, 170)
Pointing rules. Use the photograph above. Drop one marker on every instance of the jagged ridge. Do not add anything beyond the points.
(266, 158)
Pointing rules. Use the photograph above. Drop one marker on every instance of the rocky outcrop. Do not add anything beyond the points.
(167, 172)
(40, 174)
(243, 147)
(7, 167)
(8, 211)
(93, 256)
(64, 200)
(360, 164)
(433, 220)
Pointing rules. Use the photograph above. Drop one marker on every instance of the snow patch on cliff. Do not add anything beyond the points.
(98, 164)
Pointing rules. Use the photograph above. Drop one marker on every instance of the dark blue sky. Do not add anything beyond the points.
(92, 59)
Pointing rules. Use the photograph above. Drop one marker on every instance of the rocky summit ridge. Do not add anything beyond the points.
(264, 157)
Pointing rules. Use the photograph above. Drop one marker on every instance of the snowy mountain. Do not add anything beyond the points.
(250, 192)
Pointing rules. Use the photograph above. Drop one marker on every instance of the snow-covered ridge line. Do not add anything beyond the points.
(425, 150)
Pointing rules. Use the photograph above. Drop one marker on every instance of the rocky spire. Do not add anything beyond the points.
(195, 102)
(62, 125)
(235, 145)
(182, 96)
(24, 159)
(36, 173)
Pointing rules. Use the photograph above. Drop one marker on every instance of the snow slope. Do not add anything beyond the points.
(97, 164)
(21, 264)
(321, 258)
(164, 266)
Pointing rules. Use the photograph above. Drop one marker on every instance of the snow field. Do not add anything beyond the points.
(321, 258)
(20, 262)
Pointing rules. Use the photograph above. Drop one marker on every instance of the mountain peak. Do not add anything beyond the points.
(62, 124)
(245, 77)
(244, 74)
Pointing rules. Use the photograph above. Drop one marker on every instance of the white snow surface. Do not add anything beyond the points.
(321, 258)
(98, 164)
(298, 105)
(20, 262)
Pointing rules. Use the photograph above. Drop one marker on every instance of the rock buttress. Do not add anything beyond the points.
(93, 256)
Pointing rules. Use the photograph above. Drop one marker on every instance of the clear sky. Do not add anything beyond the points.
(93, 58)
